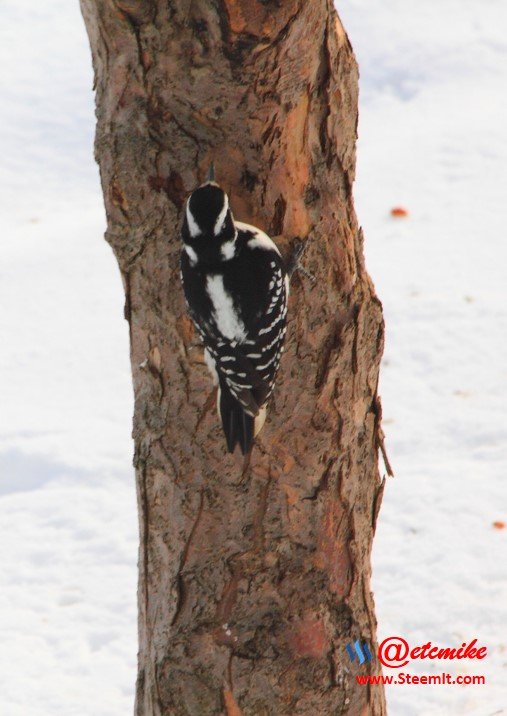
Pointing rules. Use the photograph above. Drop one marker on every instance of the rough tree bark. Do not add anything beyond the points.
(252, 579)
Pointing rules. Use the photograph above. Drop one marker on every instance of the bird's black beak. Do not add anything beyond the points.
(211, 172)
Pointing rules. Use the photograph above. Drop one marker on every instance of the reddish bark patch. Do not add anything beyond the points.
(231, 705)
(310, 639)
(185, 328)
(332, 553)
(257, 19)
(117, 196)
(172, 186)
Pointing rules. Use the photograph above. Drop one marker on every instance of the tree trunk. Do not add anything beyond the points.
(252, 577)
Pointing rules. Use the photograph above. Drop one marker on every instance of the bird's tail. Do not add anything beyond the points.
(239, 426)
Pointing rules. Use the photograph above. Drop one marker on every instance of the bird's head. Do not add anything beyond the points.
(208, 230)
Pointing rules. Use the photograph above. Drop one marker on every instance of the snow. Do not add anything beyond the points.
(432, 140)
(68, 522)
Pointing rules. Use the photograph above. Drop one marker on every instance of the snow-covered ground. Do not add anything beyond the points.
(433, 138)
(68, 523)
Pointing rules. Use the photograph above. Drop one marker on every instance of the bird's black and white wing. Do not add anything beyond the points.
(268, 308)
(240, 314)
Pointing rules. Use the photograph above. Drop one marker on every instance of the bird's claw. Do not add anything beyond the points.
(294, 262)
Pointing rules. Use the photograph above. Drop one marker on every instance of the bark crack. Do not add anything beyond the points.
(283, 33)
(140, 464)
(379, 434)
(324, 90)
(261, 513)
(180, 581)
(323, 482)
(208, 405)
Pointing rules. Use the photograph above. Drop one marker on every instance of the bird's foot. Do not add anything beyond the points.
(294, 263)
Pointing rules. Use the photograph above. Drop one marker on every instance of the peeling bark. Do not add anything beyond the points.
(252, 576)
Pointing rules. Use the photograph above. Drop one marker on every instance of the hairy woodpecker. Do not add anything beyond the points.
(236, 287)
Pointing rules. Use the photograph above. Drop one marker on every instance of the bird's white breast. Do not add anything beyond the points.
(226, 318)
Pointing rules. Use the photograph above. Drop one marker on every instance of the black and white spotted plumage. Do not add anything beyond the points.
(236, 288)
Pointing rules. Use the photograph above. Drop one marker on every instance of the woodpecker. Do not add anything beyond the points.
(236, 288)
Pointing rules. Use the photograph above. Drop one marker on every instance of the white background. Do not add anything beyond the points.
(433, 139)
